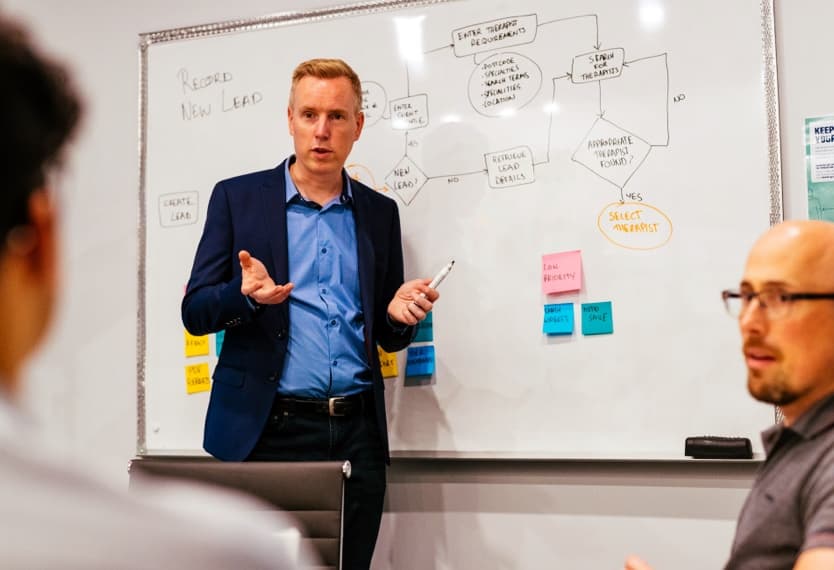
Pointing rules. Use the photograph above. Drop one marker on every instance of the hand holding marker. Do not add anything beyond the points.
(440, 277)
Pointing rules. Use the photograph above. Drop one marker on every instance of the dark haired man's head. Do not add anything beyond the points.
(38, 112)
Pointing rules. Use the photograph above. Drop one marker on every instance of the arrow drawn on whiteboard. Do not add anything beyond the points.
(665, 57)
(438, 49)
(626, 63)
(597, 43)
(363, 174)
(484, 171)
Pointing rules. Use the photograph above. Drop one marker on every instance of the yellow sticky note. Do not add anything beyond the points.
(388, 362)
(197, 378)
(196, 345)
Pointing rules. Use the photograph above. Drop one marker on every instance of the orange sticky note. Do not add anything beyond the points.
(388, 363)
(562, 272)
(197, 378)
(196, 345)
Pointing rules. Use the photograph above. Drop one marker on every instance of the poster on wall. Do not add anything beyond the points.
(819, 167)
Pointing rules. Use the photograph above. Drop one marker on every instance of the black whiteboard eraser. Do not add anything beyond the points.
(716, 447)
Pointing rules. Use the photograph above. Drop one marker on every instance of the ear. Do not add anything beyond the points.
(43, 257)
(289, 121)
(360, 122)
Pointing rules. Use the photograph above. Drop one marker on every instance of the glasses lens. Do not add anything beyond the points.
(774, 301)
(732, 302)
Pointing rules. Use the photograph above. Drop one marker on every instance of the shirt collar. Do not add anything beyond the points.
(814, 421)
(293, 196)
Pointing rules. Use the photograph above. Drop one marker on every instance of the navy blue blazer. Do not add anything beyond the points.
(249, 212)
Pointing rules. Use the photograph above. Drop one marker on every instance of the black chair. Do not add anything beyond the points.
(310, 491)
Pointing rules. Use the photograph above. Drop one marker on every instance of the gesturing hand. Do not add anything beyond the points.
(408, 305)
(635, 563)
(257, 283)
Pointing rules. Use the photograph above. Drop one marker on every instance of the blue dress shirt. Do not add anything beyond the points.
(326, 349)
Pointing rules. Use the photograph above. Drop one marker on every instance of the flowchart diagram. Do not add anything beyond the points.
(504, 79)
(546, 148)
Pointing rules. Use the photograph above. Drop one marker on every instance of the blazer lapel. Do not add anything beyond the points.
(365, 255)
(274, 212)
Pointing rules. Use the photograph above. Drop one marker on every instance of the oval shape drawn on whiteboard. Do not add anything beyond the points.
(504, 83)
(374, 101)
(635, 225)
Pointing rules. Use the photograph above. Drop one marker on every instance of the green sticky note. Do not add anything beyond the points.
(597, 318)
(558, 318)
(425, 330)
(420, 361)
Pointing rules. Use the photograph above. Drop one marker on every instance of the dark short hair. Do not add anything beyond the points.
(323, 68)
(39, 110)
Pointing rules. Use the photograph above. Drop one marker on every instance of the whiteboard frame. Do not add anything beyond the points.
(146, 40)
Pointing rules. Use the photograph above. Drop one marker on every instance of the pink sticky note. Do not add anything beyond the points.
(562, 272)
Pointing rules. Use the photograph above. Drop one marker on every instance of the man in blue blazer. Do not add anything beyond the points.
(303, 269)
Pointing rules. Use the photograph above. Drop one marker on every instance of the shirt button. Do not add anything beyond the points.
(333, 323)
(324, 250)
(324, 291)
(335, 363)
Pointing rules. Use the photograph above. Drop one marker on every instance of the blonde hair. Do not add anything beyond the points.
(323, 68)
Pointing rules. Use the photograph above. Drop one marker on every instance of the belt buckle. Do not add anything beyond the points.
(331, 406)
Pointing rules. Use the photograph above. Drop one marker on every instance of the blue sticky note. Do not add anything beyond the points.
(597, 318)
(558, 318)
(420, 361)
(218, 341)
(425, 331)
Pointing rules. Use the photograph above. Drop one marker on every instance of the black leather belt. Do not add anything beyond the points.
(338, 406)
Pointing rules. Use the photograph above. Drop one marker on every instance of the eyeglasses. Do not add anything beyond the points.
(775, 302)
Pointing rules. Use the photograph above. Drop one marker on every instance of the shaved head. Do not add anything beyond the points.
(803, 250)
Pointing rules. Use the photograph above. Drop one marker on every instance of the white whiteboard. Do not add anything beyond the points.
(505, 131)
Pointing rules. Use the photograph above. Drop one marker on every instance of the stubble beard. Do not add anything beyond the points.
(774, 390)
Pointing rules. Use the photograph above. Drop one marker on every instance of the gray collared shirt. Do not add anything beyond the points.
(791, 505)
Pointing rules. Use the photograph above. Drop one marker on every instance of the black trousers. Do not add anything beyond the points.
(302, 436)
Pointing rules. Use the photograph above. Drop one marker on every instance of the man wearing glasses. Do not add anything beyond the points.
(785, 311)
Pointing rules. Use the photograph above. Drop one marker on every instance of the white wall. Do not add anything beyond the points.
(805, 87)
(441, 514)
